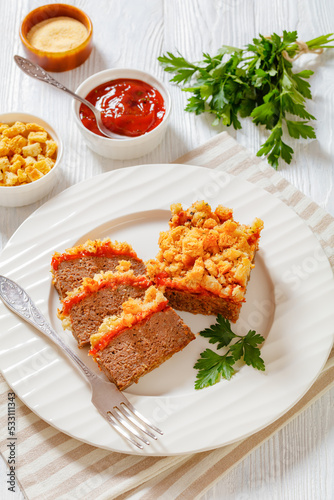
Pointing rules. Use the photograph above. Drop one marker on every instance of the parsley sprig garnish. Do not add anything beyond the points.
(256, 81)
(213, 366)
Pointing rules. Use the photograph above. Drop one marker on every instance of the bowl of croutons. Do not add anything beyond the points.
(30, 154)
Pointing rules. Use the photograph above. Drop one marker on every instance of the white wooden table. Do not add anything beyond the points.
(298, 462)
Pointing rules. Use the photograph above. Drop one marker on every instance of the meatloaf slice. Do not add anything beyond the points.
(138, 350)
(85, 308)
(70, 274)
(84, 261)
(205, 260)
(87, 315)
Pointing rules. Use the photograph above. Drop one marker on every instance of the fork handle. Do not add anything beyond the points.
(20, 303)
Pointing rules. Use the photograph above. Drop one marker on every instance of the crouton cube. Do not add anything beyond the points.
(32, 149)
(32, 173)
(17, 143)
(17, 157)
(37, 137)
(44, 166)
(40, 157)
(10, 179)
(51, 148)
(33, 127)
(4, 163)
(29, 160)
(22, 176)
(5, 146)
(3, 126)
(14, 167)
(16, 129)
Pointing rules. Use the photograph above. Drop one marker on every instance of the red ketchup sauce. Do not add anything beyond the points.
(129, 107)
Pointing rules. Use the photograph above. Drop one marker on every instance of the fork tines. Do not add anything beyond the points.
(126, 420)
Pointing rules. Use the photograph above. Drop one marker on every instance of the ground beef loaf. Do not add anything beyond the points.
(205, 259)
(70, 274)
(202, 304)
(138, 350)
(87, 315)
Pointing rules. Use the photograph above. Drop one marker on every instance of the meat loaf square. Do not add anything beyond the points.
(84, 309)
(142, 337)
(84, 261)
(205, 260)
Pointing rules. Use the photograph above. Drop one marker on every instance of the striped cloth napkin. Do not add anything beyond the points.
(52, 465)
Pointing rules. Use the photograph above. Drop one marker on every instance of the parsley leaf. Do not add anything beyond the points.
(196, 104)
(249, 350)
(275, 148)
(290, 106)
(212, 366)
(185, 70)
(220, 333)
(256, 81)
(300, 129)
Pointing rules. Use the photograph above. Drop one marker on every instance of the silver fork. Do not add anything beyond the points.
(110, 402)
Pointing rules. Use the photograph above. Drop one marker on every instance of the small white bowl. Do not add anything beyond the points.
(18, 196)
(129, 147)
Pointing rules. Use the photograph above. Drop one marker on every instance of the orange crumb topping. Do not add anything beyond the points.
(206, 251)
(104, 248)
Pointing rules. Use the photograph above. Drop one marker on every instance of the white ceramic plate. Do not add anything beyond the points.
(289, 301)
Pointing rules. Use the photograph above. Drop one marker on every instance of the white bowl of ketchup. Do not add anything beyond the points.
(134, 104)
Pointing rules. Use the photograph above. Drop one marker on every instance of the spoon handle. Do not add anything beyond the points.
(39, 73)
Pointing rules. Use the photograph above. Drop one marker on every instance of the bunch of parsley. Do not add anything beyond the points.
(256, 81)
(213, 366)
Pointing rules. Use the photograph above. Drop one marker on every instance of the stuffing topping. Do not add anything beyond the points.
(206, 251)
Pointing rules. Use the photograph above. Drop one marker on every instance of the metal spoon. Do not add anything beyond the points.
(39, 73)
